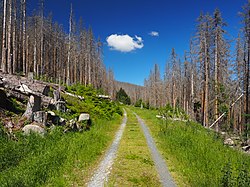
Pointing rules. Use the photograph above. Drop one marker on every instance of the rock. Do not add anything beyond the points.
(246, 148)
(84, 117)
(33, 105)
(40, 117)
(229, 142)
(33, 128)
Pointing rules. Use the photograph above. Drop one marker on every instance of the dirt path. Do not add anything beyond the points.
(133, 165)
(100, 177)
(160, 164)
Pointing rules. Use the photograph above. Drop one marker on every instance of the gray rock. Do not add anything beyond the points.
(229, 142)
(33, 105)
(33, 128)
(40, 117)
(84, 117)
(246, 148)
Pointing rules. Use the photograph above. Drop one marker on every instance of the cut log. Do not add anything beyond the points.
(33, 105)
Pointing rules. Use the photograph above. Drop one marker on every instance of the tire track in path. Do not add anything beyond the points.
(165, 177)
(100, 176)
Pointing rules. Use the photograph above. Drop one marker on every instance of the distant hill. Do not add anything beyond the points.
(134, 91)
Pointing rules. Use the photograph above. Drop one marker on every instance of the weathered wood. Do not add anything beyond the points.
(22, 88)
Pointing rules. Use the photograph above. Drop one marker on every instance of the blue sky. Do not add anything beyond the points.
(174, 20)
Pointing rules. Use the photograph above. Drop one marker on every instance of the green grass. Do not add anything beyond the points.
(57, 159)
(196, 156)
(133, 165)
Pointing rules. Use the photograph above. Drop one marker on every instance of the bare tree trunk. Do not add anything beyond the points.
(205, 112)
(35, 53)
(216, 64)
(9, 63)
(27, 54)
(246, 85)
(14, 36)
(69, 50)
(41, 45)
(3, 64)
(24, 36)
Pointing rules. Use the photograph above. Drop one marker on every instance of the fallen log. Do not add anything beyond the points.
(14, 82)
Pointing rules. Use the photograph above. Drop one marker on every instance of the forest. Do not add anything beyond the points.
(39, 45)
(211, 79)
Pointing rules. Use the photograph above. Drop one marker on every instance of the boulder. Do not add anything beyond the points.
(33, 128)
(40, 117)
(33, 105)
(229, 142)
(84, 117)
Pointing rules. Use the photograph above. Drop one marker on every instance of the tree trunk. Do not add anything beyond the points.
(14, 36)
(69, 49)
(216, 64)
(35, 55)
(24, 36)
(9, 64)
(41, 45)
(3, 64)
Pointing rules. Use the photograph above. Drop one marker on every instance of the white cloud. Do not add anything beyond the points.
(124, 43)
(154, 33)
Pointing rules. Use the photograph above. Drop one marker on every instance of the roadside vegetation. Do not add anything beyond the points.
(196, 156)
(58, 158)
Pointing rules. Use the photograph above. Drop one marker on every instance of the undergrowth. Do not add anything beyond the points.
(198, 154)
(97, 107)
(34, 160)
(60, 159)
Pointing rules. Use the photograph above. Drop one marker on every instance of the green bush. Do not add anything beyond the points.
(169, 112)
(96, 107)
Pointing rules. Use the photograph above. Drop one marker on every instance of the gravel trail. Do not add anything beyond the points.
(100, 176)
(160, 164)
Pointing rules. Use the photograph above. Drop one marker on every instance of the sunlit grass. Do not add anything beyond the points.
(54, 160)
(133, 165)
(197, 156)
